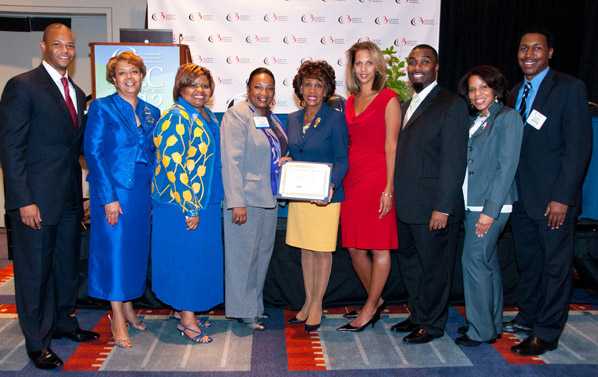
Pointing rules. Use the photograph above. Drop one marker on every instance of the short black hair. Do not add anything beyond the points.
(491, 76)
(259, 70)
(316, 69)
(539, 30)
(427, 47)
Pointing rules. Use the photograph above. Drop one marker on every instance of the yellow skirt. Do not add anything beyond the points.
(313, 227)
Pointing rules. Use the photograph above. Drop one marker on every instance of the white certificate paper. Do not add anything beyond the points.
(304, 180)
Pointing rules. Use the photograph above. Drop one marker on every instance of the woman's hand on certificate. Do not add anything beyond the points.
(284, 160)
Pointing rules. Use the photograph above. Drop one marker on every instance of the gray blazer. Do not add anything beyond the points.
(492, 159)
(245, 155)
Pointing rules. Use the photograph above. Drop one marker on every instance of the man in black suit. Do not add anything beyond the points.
(431, 159)
(40, 144)
(555, 151)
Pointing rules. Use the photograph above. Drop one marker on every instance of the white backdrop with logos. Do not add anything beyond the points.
(232, 37)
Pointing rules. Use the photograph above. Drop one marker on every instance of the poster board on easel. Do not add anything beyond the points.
(161, 60)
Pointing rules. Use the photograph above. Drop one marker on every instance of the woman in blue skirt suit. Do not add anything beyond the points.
(187, 260)
(119, 153)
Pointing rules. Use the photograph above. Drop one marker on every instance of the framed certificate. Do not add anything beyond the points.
(304, 180)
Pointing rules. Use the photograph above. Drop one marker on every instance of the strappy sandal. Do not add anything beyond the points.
(121, 341)
(200, 338)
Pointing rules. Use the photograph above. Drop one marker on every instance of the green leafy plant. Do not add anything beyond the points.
(395, 71)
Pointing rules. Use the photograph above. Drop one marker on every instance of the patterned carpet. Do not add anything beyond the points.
(284, 350)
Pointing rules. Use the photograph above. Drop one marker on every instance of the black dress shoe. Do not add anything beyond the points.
(77, 335)
(310, 328)
(514, 327)
(296, 321)
(351, 315)
(405, 326)
(348, 327)
(419, 336)
(463, 329)
(533, 346)
(466, 341)
(45, 359)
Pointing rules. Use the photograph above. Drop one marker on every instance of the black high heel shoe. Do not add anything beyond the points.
(296, 321)
(310, 328)
(350, 328)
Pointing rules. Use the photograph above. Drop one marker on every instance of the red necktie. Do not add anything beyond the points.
(69, 102)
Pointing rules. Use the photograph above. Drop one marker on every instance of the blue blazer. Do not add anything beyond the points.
(327, 142)
(113, 144)
(492, 159)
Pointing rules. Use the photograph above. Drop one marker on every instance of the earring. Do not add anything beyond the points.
(495, 98)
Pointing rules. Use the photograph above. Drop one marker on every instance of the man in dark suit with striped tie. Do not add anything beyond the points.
(555, 151)
(40, 144)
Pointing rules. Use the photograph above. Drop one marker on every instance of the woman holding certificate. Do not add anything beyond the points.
(187, 198)
(317, 133)
(368, 220)
(253, 142)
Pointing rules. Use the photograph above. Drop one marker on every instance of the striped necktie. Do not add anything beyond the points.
(523, 105)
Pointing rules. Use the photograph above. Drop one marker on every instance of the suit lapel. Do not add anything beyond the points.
(55, 94)
(422, 106)
(311, 130)
(543, 92)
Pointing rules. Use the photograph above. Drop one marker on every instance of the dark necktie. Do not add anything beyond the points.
(523, 105)
(69, 102)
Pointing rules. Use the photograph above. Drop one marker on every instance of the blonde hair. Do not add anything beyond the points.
(380, 77)
(127, 57)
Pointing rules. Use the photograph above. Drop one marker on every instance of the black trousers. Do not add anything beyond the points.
(544, 262)
(46, 276)
(427, 262)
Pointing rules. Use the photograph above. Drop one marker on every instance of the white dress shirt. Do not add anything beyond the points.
(56, 77)
(417, 99)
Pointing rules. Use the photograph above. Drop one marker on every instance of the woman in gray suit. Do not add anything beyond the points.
(253, 144)
(489, 190)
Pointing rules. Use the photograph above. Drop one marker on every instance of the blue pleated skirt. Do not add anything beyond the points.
(118, 254)
(187, 266)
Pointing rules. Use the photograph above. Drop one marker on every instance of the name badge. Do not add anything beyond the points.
(536, 119)
(261, 122)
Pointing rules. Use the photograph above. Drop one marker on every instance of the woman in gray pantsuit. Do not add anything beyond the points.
(489, 190)
(253, 143)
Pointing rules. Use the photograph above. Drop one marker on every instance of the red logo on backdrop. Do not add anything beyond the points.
(286, 82)
(415, 21)
(404, 42)
(163, 16)
(237, 60)
(383, 20)
(312, 18)
(236, 17)
(198, 16)
(293, 39)
(274, 17)
(219, 38)
(340, 62)
(254, 38)
(274, 60)
(205, 59)
(331, 40)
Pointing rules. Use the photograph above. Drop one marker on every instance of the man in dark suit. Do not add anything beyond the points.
(40, 144)
(431, 158)
(554, 155)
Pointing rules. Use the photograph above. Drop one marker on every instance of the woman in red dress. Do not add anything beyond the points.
(368, 221)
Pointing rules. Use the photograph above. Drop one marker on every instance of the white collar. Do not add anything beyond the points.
(424, 93)
(54, 74)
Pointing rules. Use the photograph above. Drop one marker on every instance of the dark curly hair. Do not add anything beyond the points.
(319, 70)
(491, 76)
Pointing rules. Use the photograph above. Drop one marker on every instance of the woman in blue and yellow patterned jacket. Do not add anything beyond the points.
(187, 261)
